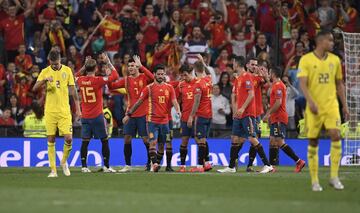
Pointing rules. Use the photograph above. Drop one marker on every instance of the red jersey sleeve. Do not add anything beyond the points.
(278, 92)
(145, 93)
(248, 83)
(172, 93)
(118, 84)
(147, 73)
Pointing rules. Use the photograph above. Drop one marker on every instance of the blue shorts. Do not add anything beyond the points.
(185, 130)
(169, 136)
(94, 127)
(278, 130)
(202, 127)
(157, 132)
(244, 127)
(136, 126)
(257, 125)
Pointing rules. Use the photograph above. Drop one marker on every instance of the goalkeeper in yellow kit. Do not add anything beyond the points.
(59, 81)
(321, 81)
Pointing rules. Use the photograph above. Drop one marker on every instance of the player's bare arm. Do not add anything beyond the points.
(76, 99)
(39, 84)
(309, 100)
(251, 95)
(199, 56)
(273, 109)
(177, 107)
(341, 94)
(131, 111)
(194, 109)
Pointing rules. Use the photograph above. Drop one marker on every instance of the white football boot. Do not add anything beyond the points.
(227, 170)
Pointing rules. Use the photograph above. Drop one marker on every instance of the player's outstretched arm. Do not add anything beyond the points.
(132, 110)
(76, 100)
(147, 72)
(309, 100)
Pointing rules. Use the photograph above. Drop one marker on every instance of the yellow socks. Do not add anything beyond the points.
(66, 152)
(52, 156)
(313, 160)
(335, 156)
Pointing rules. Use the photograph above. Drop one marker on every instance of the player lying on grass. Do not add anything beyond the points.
(134, 83)
(59, 81)
(243, 104)
(159, 96)
(321, 81)
(93, 123)
(278, 119)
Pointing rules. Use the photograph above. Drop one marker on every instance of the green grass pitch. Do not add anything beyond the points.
(29, 190)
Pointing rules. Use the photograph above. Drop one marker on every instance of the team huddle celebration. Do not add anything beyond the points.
(196, 89)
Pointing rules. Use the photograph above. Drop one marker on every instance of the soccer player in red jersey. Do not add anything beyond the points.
(278, 121)
(186, 99)
(134, 83)
(201, 114)
(93, 121)
(243, 104)
(259, 75)
(169, 137)
(159, 95)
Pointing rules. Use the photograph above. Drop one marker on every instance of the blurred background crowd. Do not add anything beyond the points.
(173, 32)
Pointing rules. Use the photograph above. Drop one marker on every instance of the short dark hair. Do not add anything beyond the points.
(199, 66)
(117, 56)
(159, 67)
(54, 55)
(185, 68)
(90, 65)
(277, 71)
(240, 61)
(322, 33)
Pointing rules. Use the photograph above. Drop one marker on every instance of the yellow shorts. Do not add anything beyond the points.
(315, 123)
(63, 121)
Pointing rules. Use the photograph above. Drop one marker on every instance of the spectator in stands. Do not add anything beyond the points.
(222, 60)
(261, 46)
(5, 119)
(17, 113)
(38, 56)
(291, 68)
(22, 89)
(150, 26)
(1, 107)
(75, 57)
(291, 94)
(57, 35)
(225, 85)
(175, 27)
(23, 61)
(2, 83)
(304, 38)
(326, 15)
(79, 38)
(220, 108)
(13, 31)
(130, 27)
(86, 14)
(347, 16)
(217, 27)
(288, 48)
(195, 45)
(239, 42)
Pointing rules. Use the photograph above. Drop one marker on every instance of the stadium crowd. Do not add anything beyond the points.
(168, 32)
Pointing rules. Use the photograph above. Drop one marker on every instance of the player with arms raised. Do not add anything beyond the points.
(321, 81)
(59, 81)
(134, 83)
(278, 121)
(159, 95)
(92, 121)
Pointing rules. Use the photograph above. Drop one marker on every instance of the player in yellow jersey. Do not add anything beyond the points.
(59, 81)
(321, 81)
